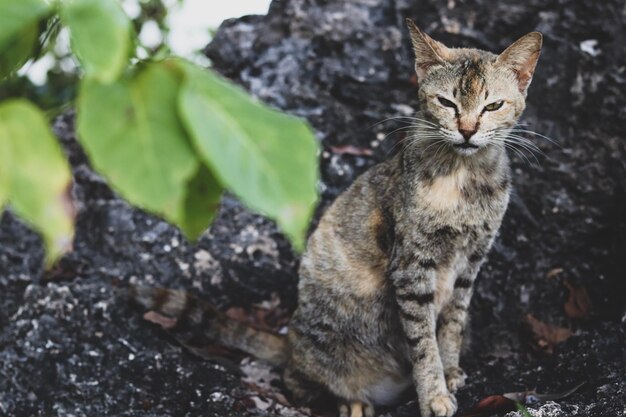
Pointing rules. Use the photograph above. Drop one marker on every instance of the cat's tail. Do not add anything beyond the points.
(183, 310)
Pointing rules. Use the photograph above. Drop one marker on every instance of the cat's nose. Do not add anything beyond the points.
(467, 133)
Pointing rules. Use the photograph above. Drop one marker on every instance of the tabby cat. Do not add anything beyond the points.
(388, 274)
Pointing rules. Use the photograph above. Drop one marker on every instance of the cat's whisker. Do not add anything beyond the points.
(505, 134)
(426, 133)
(517, 152)
(424, 137)
(520, 141)
(421, 120)
(398, 130)
(409, 142)
(394, 118)
(530, 132)
(433, 144)
(418, 127)
(414, 139)
(529, 147)
(415, 126)
(515, 147)
(514, 142)
(430, 134)
(531, 152)
(406, 119)
(435, 141)
(443, 145)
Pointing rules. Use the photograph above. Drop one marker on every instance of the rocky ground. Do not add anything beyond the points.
(70, 345)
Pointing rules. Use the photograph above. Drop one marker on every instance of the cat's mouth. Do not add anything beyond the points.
(466, 148)
(466, 145)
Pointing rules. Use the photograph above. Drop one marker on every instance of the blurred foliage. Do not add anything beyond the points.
(168, 135)
(34, 175)
(20, 23)
(276, 175)
(100, 35)
(59, 91)
(523, 410)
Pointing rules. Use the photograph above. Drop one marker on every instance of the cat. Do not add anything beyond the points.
(388, 274)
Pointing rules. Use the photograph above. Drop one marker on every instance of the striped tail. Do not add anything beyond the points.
(201, 318)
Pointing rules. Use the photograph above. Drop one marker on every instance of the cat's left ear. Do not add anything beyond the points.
(522, 57)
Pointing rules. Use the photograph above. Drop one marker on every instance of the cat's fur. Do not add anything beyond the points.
(388, 274)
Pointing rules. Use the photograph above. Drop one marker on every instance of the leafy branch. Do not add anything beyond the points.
(168, 135)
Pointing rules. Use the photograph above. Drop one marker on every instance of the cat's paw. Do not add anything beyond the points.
(455, 378)
(356, 409)
(443, 405)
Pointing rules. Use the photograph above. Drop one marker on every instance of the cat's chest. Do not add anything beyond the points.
(443, 193)
(460, 199)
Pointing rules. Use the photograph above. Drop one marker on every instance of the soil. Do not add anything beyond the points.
(71, 345)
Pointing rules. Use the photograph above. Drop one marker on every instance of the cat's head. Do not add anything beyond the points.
(470, 97)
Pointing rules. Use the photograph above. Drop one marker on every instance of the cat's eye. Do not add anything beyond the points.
(494, 106)
(445, 102)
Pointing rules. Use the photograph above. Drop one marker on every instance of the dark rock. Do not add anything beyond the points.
(70, 346)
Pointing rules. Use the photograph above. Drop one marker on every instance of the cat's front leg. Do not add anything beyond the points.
(450, 330)
(453, 318)
(413, 278)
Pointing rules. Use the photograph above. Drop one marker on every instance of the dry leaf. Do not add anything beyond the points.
(494, 404)
(578, 304)
(157, 318)
(351, 150)
(239, 314)
(546, 336)
(554, 272)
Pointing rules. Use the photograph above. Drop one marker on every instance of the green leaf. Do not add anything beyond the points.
(19, 31)
(4, 180)
(201, 202)
(3, 196)
(100, 34)
(268, 159)
(34, 175)
(131, 132)
(522, 409)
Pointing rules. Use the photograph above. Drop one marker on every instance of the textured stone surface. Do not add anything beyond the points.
(69, 345)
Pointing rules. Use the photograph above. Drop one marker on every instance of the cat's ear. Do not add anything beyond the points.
(428, 52)
(522, 57)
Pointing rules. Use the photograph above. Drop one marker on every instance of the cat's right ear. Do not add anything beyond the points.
(428, 52)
